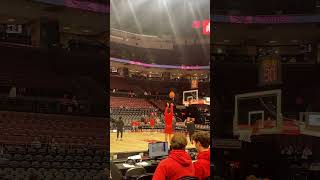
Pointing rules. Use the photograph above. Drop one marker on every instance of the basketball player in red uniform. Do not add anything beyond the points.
(152, 121)
(168, 118)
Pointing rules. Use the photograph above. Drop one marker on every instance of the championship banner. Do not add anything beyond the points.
(269, 71)
(194, 84)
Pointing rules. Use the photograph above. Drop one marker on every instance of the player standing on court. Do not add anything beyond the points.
(152, 121)
(120, 127)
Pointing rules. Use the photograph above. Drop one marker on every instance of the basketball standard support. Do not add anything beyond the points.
(237, 129)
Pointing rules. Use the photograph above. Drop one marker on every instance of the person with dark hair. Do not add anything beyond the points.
(53, 144)
(75, 104)
(64, 103)
(120, 126)
(201, 141)
(36, 143)
(191, 127)
(179, 162)
(13, 92)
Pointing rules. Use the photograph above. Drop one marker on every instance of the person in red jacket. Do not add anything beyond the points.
(179, 162)
(168, 117)
(202, 166)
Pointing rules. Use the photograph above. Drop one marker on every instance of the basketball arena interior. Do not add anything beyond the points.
(266, 89)
(157, 59)
(53, 97)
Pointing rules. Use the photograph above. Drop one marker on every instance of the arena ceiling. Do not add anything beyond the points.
(158, 17)
(71, 20)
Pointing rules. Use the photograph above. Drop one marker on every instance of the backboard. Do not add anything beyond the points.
(189, 97)
(258, 112)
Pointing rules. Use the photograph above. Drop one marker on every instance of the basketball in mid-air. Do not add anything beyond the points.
(171, 94)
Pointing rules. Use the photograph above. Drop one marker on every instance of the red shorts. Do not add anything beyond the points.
(168, 130)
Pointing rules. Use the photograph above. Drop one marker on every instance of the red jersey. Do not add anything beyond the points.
(177, 165)
(152, 122)
(135, 123)
(202, 165)
(168, 118)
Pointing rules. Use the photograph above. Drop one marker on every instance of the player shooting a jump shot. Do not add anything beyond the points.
(168, 117)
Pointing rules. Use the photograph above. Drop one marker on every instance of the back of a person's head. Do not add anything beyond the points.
(178, 142)
(251, 177)
(120, 117)
(203, 138)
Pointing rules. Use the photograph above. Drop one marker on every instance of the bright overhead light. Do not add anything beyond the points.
(86, 30)
(66, 28)
(11, 20)
(272, 41)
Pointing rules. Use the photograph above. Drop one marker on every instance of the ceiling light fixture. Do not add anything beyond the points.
(11, 20)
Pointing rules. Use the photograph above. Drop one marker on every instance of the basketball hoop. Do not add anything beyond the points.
(246, 135)
(258, 112)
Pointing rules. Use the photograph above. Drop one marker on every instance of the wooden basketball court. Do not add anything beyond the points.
(136, 141)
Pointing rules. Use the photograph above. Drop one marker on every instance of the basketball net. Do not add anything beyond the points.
(246, 135)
